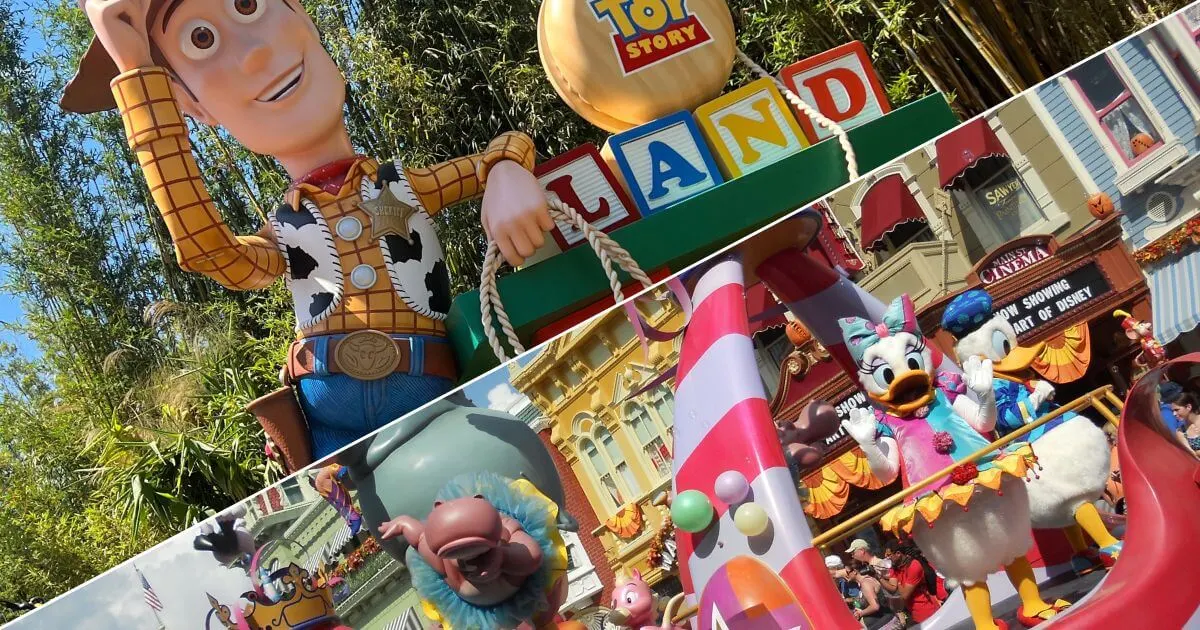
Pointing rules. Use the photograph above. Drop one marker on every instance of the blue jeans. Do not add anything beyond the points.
(341, 409)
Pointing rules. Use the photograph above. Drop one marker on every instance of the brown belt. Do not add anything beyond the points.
(369, 355)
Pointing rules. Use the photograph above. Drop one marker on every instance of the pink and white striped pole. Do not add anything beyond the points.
(723, 423)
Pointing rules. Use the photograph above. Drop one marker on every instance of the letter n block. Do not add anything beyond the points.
(664, 161)
(842, 84)
(581, 179)
(750, 128)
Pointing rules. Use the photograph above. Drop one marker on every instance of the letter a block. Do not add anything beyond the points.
(750, 128)
(842, 84)
(664, 162)
(581, 179)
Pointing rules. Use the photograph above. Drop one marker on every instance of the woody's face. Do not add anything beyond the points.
(254, 67)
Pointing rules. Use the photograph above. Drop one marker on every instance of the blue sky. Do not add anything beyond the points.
(479, 389)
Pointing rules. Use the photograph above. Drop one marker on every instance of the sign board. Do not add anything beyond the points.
(842, 84)
(1056, 299)
(650, 31)
(1013, 261)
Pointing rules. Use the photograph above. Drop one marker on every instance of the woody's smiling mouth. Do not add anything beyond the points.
(282, 87)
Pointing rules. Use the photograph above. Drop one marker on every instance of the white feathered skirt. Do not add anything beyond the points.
(1074, 462)
(967, 545)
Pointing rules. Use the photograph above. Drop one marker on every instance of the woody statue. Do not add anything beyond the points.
(353, 239)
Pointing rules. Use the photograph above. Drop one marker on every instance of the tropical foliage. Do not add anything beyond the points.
(127, 422)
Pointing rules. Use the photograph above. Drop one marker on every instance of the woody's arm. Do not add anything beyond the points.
(443, 185)
(157, 134)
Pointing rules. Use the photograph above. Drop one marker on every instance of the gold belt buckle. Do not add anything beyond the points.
(367, 355)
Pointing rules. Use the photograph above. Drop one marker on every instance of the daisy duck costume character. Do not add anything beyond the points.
(1073, 453)
(975, 519)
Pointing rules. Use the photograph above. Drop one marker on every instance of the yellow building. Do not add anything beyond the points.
(619, 449)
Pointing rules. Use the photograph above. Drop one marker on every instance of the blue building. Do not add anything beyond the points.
(1130, 117)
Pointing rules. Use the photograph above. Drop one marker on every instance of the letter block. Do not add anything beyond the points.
(842, 84)
(750, 128)
(664, 161)
(581, 179)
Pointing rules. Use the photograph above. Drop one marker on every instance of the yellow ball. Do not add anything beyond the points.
(751, 519)
(620, 64)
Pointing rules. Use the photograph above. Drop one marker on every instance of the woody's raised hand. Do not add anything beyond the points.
(121, 27)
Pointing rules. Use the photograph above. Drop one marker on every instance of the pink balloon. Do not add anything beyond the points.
(731, 486)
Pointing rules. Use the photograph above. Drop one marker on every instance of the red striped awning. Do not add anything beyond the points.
(962, 148)
(764, 311)
(887, 205)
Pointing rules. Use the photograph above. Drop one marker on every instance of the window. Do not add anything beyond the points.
(1191, 19)
(596, 354)
(1113, 105)
(618, 460)
(553, 391)
(901, 236)
(995, 203)
(571, 378)
(664, 406)
(623, 332)
(778, 348)
(291, 489)
(571, 551)
(616, 481)
(649, 436)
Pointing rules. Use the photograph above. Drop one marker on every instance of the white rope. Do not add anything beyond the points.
(817, 117)
(606, 249)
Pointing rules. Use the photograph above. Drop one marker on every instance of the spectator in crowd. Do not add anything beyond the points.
(837, 571)
(861, 551)
(1168, 392)
(1186, 407)
(870, 607)
(913, 580)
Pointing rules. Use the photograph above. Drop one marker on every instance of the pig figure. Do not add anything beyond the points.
(634, 606)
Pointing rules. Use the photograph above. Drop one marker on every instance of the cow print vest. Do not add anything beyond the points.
(315, 277)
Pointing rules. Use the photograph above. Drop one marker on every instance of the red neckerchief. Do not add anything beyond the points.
(330, 177)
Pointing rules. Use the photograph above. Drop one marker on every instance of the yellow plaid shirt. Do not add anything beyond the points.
(157, 133)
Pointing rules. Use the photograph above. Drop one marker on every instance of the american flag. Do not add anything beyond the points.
(148, 593)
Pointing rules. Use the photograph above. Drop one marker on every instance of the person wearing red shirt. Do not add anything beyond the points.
(916, 586)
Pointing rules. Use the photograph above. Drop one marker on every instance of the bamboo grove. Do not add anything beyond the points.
(126, 423)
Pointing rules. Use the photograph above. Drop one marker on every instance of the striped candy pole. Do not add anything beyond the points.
(818, 296)
(722, 423)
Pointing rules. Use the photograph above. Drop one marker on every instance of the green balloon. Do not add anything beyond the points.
(691, 511)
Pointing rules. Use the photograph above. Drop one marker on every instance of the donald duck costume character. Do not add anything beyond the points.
(975, 519)
(1073, 453)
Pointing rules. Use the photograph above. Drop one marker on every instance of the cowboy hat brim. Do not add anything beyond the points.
(90, 91)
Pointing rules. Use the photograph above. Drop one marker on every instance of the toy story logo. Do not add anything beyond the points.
(647, 32)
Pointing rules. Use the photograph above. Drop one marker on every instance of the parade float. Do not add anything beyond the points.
(713, 531)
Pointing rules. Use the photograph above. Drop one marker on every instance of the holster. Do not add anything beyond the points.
(282, 418)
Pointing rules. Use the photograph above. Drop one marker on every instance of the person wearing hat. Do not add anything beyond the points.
(837, 571)
(1073, 454)
(861, 551)
(353, 238)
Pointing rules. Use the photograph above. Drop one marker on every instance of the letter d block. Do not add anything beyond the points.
(664, 162)
(841, 83)
(750, 128)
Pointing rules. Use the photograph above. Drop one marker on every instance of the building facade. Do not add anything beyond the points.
(376, 595)
(1131, 117)
(1000, 203)
(613, 444)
